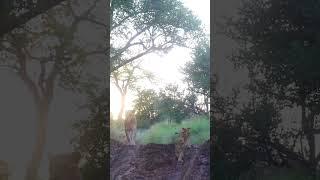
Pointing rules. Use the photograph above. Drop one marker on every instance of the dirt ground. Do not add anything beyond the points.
(158, 162)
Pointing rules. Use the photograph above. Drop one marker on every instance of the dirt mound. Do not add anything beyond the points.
(158, 162)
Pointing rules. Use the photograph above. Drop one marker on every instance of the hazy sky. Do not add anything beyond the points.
(167, 67)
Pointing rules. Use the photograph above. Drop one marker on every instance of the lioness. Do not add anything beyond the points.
(130, 126)
(182, 143)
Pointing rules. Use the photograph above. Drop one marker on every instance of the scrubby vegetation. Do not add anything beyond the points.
(165, 133)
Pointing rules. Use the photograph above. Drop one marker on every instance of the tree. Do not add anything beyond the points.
(92, 140)
(11, 16)
(141, 27)
(126, 78)
(146, 107)
(197, 72)
(59, 65)
(244, 136)
(191, 103)
(279, 46)
(228, 152)
(171, 104)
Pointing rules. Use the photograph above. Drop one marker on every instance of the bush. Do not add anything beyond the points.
(165, 133)
(145, 105)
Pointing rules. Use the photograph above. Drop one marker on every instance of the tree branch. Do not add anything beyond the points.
(131, 59)
(29, 83)
(94, 21)
(84, 15)
(12, 21)
(291, 154)
(117, 83)
(122, 21)
(128, 44)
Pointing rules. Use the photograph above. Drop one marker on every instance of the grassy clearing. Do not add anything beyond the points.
(165, 133)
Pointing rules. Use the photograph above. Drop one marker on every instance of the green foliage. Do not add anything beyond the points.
(141, 27)
(200, 128)
(161, 133)
(124, 5)
(164, 133)
(261, 117)
(145, 106)
(197, 74)
(92, 138)
(171, 104)
(197, 71)
(278, 43)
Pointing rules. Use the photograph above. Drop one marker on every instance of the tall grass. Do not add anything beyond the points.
(165, 133)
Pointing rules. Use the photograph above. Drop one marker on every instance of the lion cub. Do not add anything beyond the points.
(130, 126)
(183, 141)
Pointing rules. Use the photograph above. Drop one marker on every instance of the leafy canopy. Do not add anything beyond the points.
(140, 27)
(280, 41)
(197, 71)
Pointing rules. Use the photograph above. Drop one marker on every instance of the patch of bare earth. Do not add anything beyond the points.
(158, 162)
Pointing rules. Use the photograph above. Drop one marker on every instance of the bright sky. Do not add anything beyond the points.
(167, 67)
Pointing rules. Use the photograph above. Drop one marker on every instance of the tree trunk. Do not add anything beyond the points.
(206, 103)
(311, 142)
(123, 101)
(303, 118)
(41, 129)
(307, 127)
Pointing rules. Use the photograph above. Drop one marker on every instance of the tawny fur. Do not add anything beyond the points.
(182, 143)
(130, 127)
